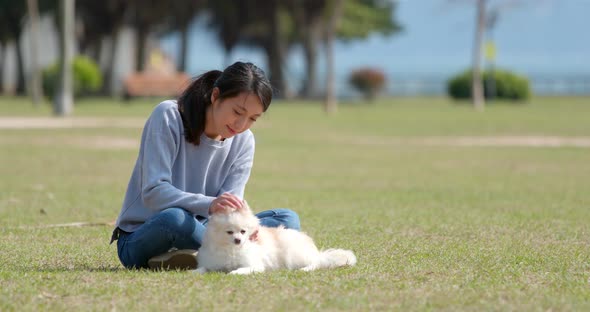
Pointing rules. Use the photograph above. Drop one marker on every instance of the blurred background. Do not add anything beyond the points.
(478, 49)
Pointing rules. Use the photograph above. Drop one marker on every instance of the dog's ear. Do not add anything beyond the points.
(254, 236)
(246, 207)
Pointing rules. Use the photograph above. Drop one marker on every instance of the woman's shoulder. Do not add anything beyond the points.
(165, 116)
(167, 110)
(244, 141)
(245, 137)
(168, 106)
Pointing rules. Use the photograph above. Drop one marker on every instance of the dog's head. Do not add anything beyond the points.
(230, 227)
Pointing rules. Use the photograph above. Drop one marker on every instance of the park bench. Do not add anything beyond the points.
(157, 84)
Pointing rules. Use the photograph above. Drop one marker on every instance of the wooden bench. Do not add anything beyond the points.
(147, 84)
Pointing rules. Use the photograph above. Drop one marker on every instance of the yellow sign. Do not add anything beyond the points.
(490, 50)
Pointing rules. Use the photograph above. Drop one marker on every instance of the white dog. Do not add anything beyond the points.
(235, 242)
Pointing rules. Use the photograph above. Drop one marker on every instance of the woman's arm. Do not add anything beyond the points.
(235, 182)
(160, 146)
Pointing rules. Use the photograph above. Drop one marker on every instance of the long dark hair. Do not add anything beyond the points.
(235, 79)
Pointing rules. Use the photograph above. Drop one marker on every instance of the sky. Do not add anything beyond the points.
(534, 37)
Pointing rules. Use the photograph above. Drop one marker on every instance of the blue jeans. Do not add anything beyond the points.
(176, 227)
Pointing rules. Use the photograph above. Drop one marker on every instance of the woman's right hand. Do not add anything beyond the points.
(225, 201)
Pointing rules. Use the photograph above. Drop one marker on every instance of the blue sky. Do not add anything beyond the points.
(546, 37)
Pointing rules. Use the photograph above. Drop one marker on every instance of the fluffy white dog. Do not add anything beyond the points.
(235, 242)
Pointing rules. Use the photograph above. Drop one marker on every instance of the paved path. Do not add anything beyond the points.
(69, 122)
(129, 122)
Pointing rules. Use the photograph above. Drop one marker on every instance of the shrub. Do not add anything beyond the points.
(508, 85)
(87, 77)
(368, 81)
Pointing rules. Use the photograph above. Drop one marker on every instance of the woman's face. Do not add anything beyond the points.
(230, 116)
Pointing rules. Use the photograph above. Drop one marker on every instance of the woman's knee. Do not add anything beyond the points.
(176, 220)
(288, 218)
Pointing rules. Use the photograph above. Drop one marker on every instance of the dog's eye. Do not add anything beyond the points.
(230, 232)
(243, 231)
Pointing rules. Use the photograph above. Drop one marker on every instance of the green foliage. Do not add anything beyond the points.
(508, 86)
(87, 77)
(360, 18)
(368, 81)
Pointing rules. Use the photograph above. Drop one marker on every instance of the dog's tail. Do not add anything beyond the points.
(333, 258)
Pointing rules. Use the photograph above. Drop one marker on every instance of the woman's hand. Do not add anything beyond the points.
(225, 201)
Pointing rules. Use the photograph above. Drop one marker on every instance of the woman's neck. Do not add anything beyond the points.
(210, 128)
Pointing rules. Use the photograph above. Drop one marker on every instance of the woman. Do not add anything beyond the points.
(196, 154)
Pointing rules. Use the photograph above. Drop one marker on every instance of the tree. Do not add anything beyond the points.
(350, 20)
(228, 19)
(274, 45)
(4, 40)
(477, 95)
(64, 99)
(12, 14)
(330, 103)
(146, 15)
(361, 18)
(183, 13)
(485, 18)
(262, 25)
(102, 20)
(116, 10)
(308, 17)
(36, 90)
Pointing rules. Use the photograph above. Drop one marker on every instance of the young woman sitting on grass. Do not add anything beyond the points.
(196, 154)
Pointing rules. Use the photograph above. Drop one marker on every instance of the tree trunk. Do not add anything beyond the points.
(309, 29)
(183, 48)
(140, 48)
(64, 102)
(275, 70)
(330, 101)
(274, 52)
(94, 51)
(477, 92)
(2, 57)
(108, 86)
(310, 42)
(226, 57)
(20, 73)
(36, 89)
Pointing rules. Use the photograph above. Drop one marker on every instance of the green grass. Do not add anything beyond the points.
(434, 226)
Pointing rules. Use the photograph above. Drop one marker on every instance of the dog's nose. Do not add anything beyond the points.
(237, 241)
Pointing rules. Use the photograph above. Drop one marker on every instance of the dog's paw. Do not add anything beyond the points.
(242, 271)
(309, 268)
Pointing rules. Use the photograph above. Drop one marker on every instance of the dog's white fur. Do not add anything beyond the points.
(235, 242)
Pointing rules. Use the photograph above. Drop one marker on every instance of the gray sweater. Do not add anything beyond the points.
(171, 172)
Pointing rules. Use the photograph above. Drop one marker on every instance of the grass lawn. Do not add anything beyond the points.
(436, 223)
